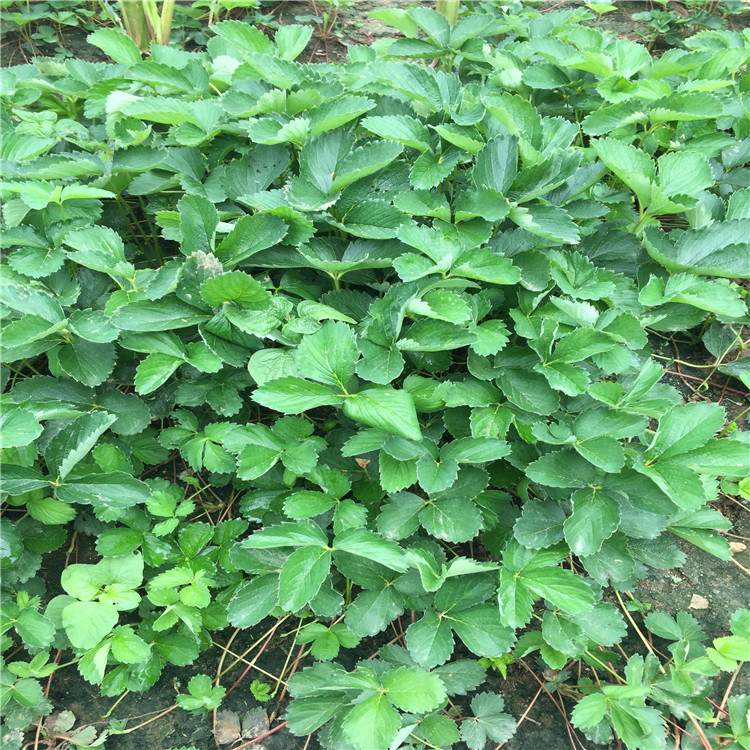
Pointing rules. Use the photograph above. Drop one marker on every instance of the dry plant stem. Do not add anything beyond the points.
(223, 656)
(728, 691)
(245, 661)
(606, 667)
(293, 670)
(701, 734)
(680, 729)
(218, 669)
(572, 736)
(524, 715)
(390, 643)
(143, 724)
(286, 663)
(262, 737)
(249, 666)
(736, 536)
(228, 507)
(740, 566)
(737, 502)
(650, 648)
(238, 659)
(718, 708)
(713, 385)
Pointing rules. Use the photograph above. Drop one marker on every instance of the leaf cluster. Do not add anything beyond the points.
(392, 321)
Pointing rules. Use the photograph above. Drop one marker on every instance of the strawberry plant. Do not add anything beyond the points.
(391, 323)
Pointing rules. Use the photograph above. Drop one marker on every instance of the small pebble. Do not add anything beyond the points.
(698, 602)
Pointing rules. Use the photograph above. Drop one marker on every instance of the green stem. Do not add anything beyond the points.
(154, 233)
(733, 422)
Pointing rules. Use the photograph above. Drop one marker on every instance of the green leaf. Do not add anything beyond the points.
(30, 300)
(165, 314)
(75, 441)
(287, 535)
(401, 128)
(633, 166)
(589, 711)
(527, 576)
(482, 630)
(550, 222)
(244, 37)
(440, 730)
(604, 452)
(430, 640)
(86, 362)
(253, 600)
(373, 219)
(465, 138)
(720, 249)
(269, 364)
(234, 286)
(474, 450)
(434, 336)
(198, 222)
(581, 344)
(86, 623)
(94, 326)
(684, 173)
(35, 629)
(528, 390)
(113, 490)
(595, 517)
(385, 408)
(430, 169)
(379, 364)
(330, 355)
(685, 106)
(363, 161)
(292, 395)
(399, 516)
(129, 648)
(540, 524)
(306, 504)
(489, 721)
(249, 236)
(683, 429)
(496, 164)
(560, 587)
(154, 371)
(367, 544)
(100, 248)
(119, 46)
(302, 575)
(20, 479)
(414, 690)
(372, 724)
(306, 715)
(292, 40)
(435, 476)
(451, 518)
(461, 676)
(18, 427)
(27, 693)
(373, 610)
